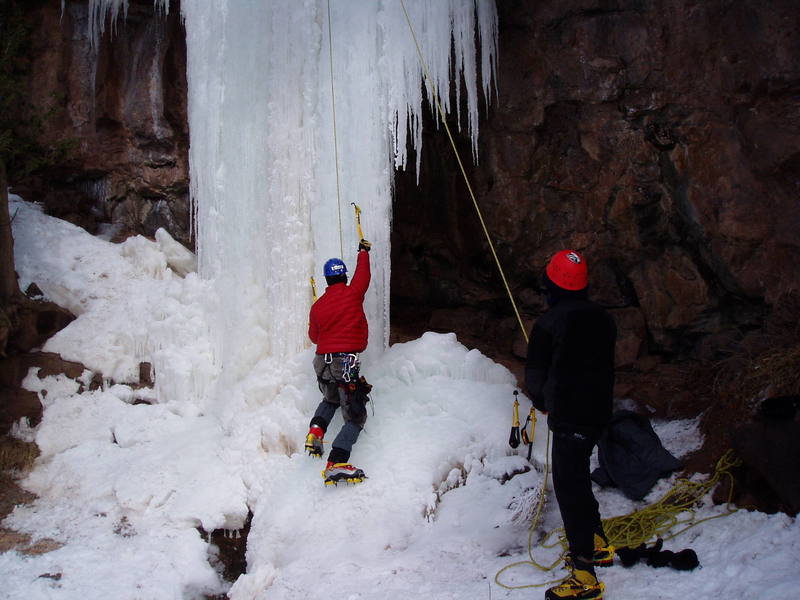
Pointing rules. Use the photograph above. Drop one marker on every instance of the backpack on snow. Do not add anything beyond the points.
(631, 456)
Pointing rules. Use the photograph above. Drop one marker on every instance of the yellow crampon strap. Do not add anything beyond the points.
(667, 518)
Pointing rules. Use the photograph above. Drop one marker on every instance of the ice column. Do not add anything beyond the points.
(263, 176)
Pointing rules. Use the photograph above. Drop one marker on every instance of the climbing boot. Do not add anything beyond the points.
(582, 584)
(603, 555)
(336, 473)
(314, 441)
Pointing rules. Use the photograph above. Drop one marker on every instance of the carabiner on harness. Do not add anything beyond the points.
(350, 367)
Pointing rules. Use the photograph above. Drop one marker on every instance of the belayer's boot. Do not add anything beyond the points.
(603, 555)
(582, 584)
(342, 472)
(314, 441)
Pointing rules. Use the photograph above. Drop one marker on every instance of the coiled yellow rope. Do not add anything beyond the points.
(672, 514)
(667, 518)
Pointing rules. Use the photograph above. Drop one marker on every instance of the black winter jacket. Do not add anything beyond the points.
(569, 371)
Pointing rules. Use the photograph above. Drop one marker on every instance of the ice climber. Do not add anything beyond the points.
(338, 326)
(569, 374)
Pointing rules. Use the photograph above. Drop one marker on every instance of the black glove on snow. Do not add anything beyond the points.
(685, 560)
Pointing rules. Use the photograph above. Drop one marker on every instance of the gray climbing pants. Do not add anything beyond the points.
(332, 372)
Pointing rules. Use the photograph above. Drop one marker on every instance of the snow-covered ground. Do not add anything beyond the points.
(124, 485)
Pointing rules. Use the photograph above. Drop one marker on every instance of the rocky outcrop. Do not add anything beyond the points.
(119, 102)
(659, 138)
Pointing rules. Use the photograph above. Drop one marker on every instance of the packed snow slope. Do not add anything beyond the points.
(126, 476)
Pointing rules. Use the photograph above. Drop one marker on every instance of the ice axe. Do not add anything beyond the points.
(358, 220)
(513, 439)
(313, 289)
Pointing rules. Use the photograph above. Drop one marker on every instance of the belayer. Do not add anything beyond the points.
(569, 373)
(338, 326)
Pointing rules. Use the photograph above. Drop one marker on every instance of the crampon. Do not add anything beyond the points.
(336, 473)
(603, 555)
(582, 584)
(314, 442)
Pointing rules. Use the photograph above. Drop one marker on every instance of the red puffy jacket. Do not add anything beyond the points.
(337, 322)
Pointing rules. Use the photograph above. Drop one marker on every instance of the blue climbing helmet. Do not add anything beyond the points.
(335, 267)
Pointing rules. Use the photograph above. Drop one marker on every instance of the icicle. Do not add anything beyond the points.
(100, 10)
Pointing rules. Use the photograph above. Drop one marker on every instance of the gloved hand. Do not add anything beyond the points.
(364, 245)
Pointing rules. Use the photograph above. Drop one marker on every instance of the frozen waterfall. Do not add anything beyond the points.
(262, 157)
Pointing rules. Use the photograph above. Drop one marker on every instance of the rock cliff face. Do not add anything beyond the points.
(659, 137)
(122, 100)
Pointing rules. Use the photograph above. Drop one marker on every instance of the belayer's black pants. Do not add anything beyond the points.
(579, 509)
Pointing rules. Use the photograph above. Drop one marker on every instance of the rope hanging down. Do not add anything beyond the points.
(463, 171)
(335, 138)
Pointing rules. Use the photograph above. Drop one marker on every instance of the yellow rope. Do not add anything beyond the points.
(675, 510)
(531, 531)
(463, 171)
(335, 139)
(662, 518)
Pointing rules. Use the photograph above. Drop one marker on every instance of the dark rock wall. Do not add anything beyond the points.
(123, 103)
(661, 138)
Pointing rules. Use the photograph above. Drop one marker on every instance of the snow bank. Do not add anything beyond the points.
(124, 486)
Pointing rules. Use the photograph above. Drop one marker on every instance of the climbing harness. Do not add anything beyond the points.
(350, 365)
(442, 116)
(665, 519)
